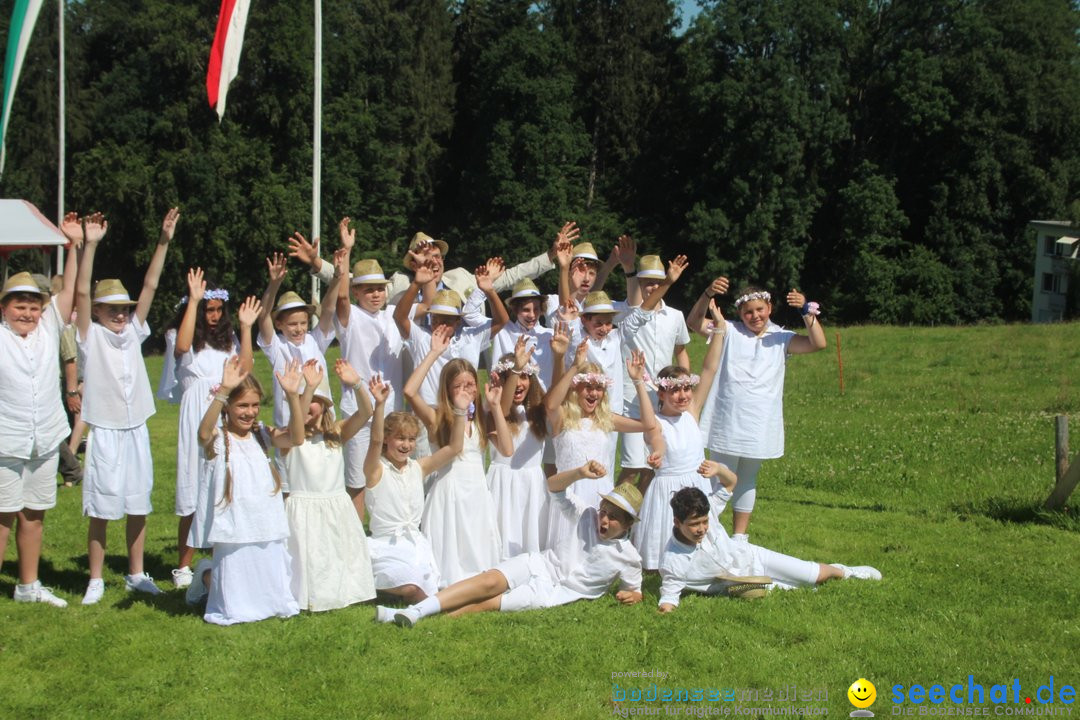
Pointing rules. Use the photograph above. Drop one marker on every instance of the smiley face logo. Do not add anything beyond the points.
(862, 693)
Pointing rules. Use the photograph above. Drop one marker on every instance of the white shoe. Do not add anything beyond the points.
(181, 577)
(741, 537)
(94, 590)
(36, 592)
(406, 618)
(384, 614)
(859, 572)
(141, 583)
(197, 592)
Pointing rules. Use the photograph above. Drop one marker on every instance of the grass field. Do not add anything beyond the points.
(931, 467)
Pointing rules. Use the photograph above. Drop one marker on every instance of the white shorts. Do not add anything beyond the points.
(634, 451)
(119, 473)
(28, 484)
(531, 582)
(398, 560)
(355, 452)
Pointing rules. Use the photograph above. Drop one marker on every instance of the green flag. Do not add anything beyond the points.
(22, 25)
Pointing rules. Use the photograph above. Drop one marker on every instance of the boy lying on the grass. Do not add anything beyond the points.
(582, 567)
(701, 557)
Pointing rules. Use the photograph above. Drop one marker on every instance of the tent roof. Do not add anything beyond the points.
(23, 226)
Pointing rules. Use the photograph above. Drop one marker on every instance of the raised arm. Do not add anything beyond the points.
(290, 380)
(232, 374)
(275, 270)
(185, 334)
(443, 456)
(554, 397)
(248, 314)
(674, 272)
(696, 322)
(560, 343)
(307, 253)
(94, 229)
(372, 466)
(709, 365)
(486, 275)
(65, 299)
(560, 481)
(493, 393)
(157, 263)
(523, 351)
(350, 378)
(626, 247)
(403, 310)
(330, 302)
(312, 373)
(814, 339)
(440, 340)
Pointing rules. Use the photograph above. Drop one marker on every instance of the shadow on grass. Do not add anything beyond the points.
(1025, 513)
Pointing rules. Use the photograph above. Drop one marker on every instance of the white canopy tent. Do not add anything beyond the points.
(23, 227)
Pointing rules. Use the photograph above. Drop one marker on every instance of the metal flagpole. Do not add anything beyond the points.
(316, 169)
(60, 174)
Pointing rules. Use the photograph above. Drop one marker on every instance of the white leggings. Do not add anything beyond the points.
(746, 469)
(788, 572)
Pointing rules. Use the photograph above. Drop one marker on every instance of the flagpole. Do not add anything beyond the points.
(316, 169)
(61, 168)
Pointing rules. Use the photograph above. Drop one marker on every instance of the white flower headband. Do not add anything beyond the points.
(762, 295)
(673, 383)
(217, 294)
(592, 379)
(500, 367)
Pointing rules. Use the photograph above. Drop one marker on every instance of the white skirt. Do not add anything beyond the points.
(521, 507)
(652, 532)
(331, 567)
(250, 582)
(398, 560)
(119, 473)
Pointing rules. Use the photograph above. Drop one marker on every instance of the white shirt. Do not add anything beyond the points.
(656, 334)
(372, 344)
(117, 393)
(468, 342)
(745, 412)
(280, 352)
(32, 419)
(396, 503)
(606, 353)
(696, 567)
(539, 339)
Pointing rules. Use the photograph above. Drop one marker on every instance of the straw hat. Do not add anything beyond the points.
(421, 239)
(446, 302)
(22, 283)
(650, 266)
(626, 497)
(367, 272)
(291, 301)
(585, 251)
(111, 292)
(598, 302)
(525, 289)
(43, 283)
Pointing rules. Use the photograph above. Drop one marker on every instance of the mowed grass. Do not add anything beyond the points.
(931, 466)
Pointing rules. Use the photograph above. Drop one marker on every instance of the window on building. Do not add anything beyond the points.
(1048, 282)
(1048, 245)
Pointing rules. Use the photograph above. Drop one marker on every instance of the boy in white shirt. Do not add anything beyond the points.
(582, 567)
(525, 309)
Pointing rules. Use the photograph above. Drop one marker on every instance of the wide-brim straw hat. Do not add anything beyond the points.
(420, 239)
(585, 251)
(598, 302)
(446, 302)
(525, 289)
(626, 497)
(111, 292)
(650, 267)
(368, 272)
(22, 283)
(291, 301)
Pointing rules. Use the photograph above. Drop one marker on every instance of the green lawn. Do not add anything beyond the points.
(931, 467)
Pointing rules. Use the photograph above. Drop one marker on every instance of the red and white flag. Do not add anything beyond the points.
(225, 53)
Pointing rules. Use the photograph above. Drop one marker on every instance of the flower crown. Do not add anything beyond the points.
(508, 365)
(592, 379)
(761, 295)
(216, 294)
(673, 383)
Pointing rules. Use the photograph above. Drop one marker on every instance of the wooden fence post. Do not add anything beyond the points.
(1067, 476)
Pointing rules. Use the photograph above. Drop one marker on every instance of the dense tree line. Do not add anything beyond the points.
(884, 156)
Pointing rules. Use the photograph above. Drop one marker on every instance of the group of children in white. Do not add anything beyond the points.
(281, 506)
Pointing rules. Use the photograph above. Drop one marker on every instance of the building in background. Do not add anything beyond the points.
(1056, 248)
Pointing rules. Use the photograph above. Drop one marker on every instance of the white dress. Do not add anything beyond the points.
(400, 554)
(331, 567)
(574, 448)
(197, 373)
(251, 574)
(519, 489)
(684, 455)
(459, 516)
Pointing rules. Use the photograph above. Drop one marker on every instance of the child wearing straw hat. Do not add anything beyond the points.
(582, 567)
(32, 419)
(526, 307)
(117, 402)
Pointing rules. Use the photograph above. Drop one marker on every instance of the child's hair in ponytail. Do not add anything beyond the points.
(249, 383)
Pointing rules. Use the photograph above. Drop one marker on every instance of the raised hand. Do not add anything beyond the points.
(276, 266)
(379, 389)
(495, 268)
(94, 228)
(796, 299)
(347, 234)
(564, 252)
(72, 228)
(655, 460)
(560, 339)
(676, 267)
(290, 379)
(568, 233)
(626, 252)
(424, 272)
(312, 372)
(168, 224)
(592, 470)
(304, 251)
(719, 286)
(483, 279)
(440, 338)
(196, 285)
(249, 311)
(568, 313)
(523, 350)
(635, 365)
(493, 391)
(581, 355)
(341, 261)
(463, 398)
(232, 374)
(347, 373)
(714, 311)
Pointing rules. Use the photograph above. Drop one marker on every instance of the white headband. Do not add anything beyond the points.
(753, 296)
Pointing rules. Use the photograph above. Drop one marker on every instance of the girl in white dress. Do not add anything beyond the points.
(331, 567)
(249, 576)
(401, 555)
(204, 340)
(459, 513)
(581, 424)
(516, 474)
(681, 396)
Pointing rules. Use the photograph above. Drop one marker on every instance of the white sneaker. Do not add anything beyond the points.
(406, 618)
(197, 592)
(859, 572)
(384, 614)
(141, 583)
(181, 577)
(94, 590)
(36, 592)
